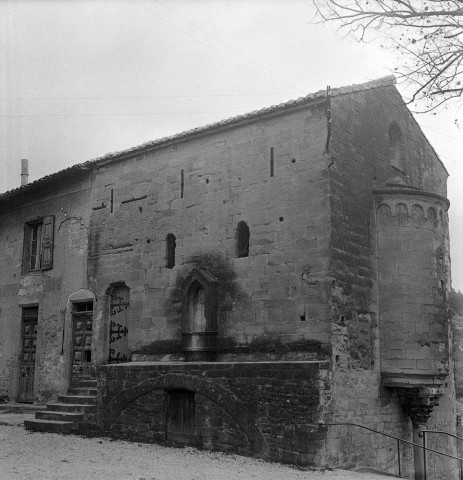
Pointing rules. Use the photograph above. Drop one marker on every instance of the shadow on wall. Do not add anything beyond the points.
(226, 292)
(217, 266)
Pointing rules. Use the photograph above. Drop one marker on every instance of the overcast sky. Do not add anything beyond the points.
(79, 79)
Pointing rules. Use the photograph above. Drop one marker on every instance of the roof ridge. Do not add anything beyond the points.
(388, 80)
(379, 82)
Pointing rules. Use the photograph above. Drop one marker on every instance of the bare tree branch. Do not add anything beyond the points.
(427, 34)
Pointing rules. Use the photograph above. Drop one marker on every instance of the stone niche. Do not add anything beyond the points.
(199, 322)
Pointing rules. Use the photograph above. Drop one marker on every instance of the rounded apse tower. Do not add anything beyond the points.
(413, 277)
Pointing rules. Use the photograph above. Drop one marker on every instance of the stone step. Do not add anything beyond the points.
(77, 399)
(70, 407)
(86, 384)
(51, 426)
(82, 391)
(20, 408)
(60, 416)
(77, 406)
(86, 381)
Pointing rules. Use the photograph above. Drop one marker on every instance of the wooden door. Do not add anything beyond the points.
(118, 329)
(82, 333)
(181, 416)
(28, 350)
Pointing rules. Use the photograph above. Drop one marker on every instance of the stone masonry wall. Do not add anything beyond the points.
(457, 344)
(264, 409)
(361, 158)
(48, 289)
(271, 301)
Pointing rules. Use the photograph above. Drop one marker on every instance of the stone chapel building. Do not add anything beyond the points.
(242, 285)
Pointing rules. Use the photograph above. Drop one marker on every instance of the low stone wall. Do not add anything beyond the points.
(263, 409)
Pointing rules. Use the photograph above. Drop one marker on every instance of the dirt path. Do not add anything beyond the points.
(31, 455)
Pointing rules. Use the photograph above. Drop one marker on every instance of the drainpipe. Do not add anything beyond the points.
(24, 171)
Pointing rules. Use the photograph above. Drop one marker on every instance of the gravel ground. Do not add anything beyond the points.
(31, 455)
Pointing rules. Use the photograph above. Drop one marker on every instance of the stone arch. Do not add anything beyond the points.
(417, 214)
(401, 212)
(432, 216)
(383, 212)
(218, 394)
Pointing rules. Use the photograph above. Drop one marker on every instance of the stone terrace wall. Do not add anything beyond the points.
(262, 409)
(198, 190)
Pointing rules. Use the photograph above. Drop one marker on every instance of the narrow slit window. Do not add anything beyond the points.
(396, 147)
(182, 182)
(272, 161)
(170, 250)
(242, 240)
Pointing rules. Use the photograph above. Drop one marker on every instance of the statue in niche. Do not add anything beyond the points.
(199, 301)
(197, 309)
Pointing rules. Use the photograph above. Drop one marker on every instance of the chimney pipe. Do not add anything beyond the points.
(24, 171)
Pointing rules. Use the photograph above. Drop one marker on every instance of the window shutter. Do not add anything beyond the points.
(47, 243)
(26, 249)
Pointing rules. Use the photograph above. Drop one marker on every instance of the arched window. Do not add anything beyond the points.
(170, 250)
(242, 240)
(396, 147)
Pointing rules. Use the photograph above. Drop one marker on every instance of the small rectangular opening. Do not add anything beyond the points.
(112, 200)
(302, 318)
(83, 307)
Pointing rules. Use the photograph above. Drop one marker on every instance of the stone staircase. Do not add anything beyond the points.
(76, 408)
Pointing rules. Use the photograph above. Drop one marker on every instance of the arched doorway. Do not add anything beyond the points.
(119, 302)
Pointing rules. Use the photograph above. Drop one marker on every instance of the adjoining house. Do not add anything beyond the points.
(236, 285)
